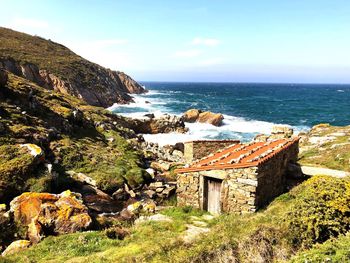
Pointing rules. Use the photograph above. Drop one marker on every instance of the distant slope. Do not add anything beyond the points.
(53, 66)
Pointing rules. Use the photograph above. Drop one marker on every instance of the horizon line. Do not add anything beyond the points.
(246, 82)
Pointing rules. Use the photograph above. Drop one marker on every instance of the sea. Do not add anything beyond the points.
(248, 108)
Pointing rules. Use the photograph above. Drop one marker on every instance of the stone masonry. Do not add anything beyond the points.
(246, 186)
(195, 150)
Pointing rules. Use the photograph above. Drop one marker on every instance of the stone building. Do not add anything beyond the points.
(239, 178)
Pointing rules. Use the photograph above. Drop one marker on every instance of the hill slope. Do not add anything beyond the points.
(53, 66)
(72, 134)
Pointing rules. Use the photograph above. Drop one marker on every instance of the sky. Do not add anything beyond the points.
(305, 41)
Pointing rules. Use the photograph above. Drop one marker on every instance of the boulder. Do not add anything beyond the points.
(194, 115)
(162, 124)
(156, 217)
(211, 118)
(82, 178)
(34, 149)
(120, 195)
(42, 213)
(16, 246)
(281, 131)
(149, 206)
(3, 77)
(135, 208)
(156, 185)
(161, 166)
(168, 191)
(150, 193)
(191, 115)
(98, 201)
(178, 154)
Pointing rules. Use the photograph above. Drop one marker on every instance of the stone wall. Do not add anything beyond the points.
(195, 150)
(272, 175)
(188, 189)
(237, 191)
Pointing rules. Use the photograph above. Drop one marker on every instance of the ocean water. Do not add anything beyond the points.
(249, 109)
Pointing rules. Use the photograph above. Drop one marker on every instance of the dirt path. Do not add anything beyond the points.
(199, 225)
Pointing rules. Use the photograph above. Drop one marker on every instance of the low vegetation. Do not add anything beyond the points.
(74, 136)
(281, 232)
(333, 250)
(327, 146)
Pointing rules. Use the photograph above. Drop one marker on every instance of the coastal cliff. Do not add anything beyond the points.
(55, 67)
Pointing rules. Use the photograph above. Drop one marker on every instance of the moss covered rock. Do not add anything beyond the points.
(16, 166)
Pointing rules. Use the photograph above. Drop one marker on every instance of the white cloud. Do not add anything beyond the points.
(210, 42)
(191, 53)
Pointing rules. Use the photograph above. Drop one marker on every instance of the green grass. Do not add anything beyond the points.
(333, 250)
(265, 236)
(328, 155)
(145, 242)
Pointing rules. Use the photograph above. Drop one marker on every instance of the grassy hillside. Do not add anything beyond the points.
(44, 53)
(95, 84)
(74, 136)
(293, 222)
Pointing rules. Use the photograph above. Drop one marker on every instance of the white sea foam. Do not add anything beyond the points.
(232, 128)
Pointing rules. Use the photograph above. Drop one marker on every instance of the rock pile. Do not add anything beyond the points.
(277, 132)
(194, 115)
(163, 124)
(169, 153)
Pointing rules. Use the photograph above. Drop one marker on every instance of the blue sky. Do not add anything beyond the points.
(222, 40)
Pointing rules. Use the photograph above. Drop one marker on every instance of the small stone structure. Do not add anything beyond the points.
(239, 178)
(195, 150)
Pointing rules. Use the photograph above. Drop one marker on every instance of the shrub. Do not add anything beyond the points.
(321, 210)
(333, 250)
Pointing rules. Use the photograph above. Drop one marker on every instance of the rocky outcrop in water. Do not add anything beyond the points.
(194, 115)
(163, 124)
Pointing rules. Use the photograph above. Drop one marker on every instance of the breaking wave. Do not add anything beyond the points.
(159, 103)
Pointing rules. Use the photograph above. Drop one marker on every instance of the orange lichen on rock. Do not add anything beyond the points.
(42, 212)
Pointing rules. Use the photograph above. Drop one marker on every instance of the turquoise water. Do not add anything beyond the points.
(249, 109)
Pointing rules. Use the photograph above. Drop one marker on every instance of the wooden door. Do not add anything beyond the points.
(213, 195)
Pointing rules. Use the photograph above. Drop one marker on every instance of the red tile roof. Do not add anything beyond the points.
(240, 155)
